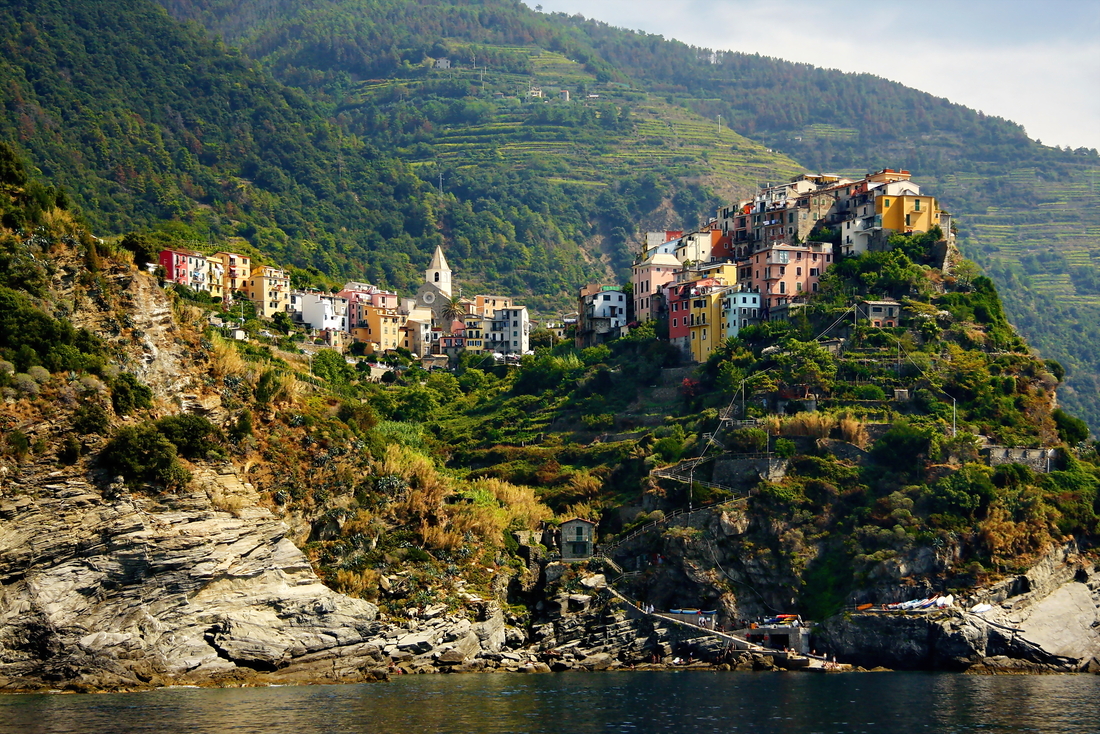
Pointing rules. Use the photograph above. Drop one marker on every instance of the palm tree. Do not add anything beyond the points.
(453, 310)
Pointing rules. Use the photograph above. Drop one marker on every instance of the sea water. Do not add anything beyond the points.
(578, 703)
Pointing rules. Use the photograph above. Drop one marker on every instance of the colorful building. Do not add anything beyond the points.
(740, 309)
(647, 278)
(269, 290)
(237, 270)
(185, 267)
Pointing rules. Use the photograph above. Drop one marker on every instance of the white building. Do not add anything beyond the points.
(739, 309)
(602, 312)
(322, 311)
(509, 331)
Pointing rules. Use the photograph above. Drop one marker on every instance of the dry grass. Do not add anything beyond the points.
(853, 431)
(814, 425)
(584, 484)
(427, 488)
(60, 221)
(188, 315)
(227, 361)
(583, 510)
(519, 502)
(225, 502)
(363, 583)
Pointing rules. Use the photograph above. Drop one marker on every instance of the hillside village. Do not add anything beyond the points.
(758, 260)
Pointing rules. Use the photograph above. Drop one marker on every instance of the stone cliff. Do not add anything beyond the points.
(1047, 620)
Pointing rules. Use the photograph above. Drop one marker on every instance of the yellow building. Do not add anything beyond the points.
(475, 334)
(237, 270)
(269, 290)
(215, 269)
(705, 325)
(908, 213)
(383, 327)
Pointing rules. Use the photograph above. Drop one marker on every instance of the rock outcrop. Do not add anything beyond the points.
(1047, 620)
(110, 593)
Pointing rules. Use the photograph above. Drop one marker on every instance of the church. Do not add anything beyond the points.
(435, 293)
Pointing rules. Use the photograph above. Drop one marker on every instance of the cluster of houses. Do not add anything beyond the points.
(434, 321)
(756, 260)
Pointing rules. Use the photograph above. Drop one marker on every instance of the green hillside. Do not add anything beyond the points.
(324, 141)
(1015, 199)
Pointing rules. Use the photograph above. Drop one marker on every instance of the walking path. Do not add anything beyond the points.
(738, 643)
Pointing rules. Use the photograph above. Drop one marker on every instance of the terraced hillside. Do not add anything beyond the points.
(573, 136)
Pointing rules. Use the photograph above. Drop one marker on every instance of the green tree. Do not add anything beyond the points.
(143, 454)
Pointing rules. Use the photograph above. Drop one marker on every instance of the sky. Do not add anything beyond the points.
(1035, 63)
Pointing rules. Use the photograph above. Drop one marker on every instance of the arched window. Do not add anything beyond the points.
(437, 277)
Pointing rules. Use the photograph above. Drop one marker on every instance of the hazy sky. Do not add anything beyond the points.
(1036, 63)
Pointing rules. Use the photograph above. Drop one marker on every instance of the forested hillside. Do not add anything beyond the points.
(330, 140)
(1027, 211)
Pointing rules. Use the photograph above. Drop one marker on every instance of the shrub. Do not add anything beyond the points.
(748, 440)
(784, 448)
(91, 417)
(39, 374)
(1070, 429)
(25, 385)
(71, 450)
(869, 392)
(903, 448)
(242, 427)
(143, 454)
(669, 449)
(193, 436)
(129, 394)
(18, 445)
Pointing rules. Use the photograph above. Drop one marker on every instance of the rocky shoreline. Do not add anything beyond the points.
(111, 591)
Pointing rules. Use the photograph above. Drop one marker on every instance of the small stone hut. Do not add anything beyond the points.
(578, 539)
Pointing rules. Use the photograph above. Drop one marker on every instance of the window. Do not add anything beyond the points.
(675, 322)
(607, 296)
(437, 277)
(916, 205)
(798, 271)
(885, 203)
(798, 287)
(907, 218)
(782, 287)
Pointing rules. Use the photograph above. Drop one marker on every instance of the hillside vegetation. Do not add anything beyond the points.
(323, 142)
(1030, 211)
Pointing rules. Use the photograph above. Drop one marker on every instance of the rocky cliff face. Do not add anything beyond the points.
(1047, 620)
(109, 589)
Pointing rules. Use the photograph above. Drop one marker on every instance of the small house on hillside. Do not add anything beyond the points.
(578, 539)
(881, 313)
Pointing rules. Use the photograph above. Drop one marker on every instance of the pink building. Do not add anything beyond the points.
(781, 272)
(363, 296)
(185, 267)
(647, 278)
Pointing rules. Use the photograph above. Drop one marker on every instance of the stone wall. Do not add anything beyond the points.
(1038, 460)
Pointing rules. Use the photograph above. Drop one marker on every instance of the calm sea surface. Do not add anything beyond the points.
(576, 703)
